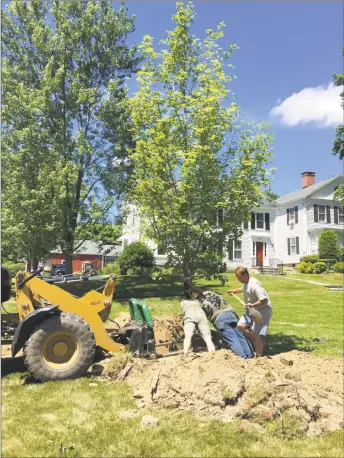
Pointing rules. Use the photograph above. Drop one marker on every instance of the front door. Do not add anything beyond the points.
(259, 254)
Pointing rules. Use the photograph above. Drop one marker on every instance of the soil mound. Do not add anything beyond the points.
(299, 392)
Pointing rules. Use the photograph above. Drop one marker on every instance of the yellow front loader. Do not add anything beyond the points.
(58, 331)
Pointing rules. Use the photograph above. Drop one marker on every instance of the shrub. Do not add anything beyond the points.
(14, 267)
(328, 262)
(135, 256)
(328, 244)
(110, 269)
(310, 258)
(302, 267)
(339, 267)
(340, 254)
(320, 267)
(310, 268)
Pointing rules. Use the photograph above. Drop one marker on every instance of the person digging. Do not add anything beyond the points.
(224, 318)
(194, 317)
(255, 321)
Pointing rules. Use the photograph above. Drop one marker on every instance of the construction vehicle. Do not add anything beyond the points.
(58, 331)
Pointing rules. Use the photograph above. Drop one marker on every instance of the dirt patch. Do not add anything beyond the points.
(295, 392)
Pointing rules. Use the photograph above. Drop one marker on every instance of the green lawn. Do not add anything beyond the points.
(75, 419)
(334, 278)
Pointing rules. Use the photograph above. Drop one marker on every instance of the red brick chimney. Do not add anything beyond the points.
(308, 178)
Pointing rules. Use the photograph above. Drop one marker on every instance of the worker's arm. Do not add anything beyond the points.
(262, 298)
(257, 304)
(235, 291)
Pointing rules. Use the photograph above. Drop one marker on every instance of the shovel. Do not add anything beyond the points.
(255, 315)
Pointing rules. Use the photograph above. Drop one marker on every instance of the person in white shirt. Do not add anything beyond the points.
(257, 298)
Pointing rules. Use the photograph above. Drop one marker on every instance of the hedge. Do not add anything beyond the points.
(310, 258)
(339, 267)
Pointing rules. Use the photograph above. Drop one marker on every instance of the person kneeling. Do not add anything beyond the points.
(194, 316)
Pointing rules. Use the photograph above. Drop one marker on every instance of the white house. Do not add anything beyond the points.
(302, 215)
(279, 231)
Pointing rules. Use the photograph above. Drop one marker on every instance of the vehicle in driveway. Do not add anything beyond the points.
(58, 269)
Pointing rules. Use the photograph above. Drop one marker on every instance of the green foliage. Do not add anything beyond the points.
(338, 195)
(192, 156)
(305, 267)
(328, 244)
(14, 267)
(339, 267)
(338, 143)
(310, 258)
(340, 254)
(320, 267)
(65, 125)
(328, 262)
(110, 269)
(135, 258)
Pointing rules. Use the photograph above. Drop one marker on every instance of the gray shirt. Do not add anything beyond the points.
(254, 291)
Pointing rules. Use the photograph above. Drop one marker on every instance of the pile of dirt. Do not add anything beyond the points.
(304, 393)
(294, 387)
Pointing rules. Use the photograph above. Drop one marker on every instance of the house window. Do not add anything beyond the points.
(125, 243)
(341, 215)
(322, 213)
(161, 250)
(293, 245)
(260, 220)
(292, 216)
(109, 260)
(237, 250)
(313, 243)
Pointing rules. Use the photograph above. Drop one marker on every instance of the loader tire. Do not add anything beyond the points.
(60, 347)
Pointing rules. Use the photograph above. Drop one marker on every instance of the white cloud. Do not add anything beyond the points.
(320, 104)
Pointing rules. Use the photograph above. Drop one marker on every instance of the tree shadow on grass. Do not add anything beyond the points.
(281, 343)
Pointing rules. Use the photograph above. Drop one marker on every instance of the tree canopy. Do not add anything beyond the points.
(198, 171)
(65, 125)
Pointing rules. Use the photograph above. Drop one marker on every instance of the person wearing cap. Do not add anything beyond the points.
(256, 299)
(225, 320)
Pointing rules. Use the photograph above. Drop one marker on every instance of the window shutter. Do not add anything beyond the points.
(296, 215)
(316, 213)
(288, 246)
(267, 221)
(328, 213)
(335, 215)
(297, 245)
(253, 220)
(287, 215)
(230, 250)
(245, 224)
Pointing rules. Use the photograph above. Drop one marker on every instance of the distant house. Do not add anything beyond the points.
(279, 231)
(302, 215)
(90, 252)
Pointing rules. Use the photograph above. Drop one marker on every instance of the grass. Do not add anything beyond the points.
(333, 278)
(74, 419)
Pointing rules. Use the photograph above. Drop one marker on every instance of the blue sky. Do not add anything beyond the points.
(285, 47)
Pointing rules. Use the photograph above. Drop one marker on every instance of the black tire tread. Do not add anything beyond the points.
(32, 349)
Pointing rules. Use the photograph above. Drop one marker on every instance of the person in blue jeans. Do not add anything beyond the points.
(225, 320)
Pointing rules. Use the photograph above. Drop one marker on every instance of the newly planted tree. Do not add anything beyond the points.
(196, 174)
(65, 124)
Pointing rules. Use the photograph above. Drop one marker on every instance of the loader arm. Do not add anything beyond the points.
(82, 307)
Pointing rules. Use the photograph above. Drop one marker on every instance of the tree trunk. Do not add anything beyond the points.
(68, 262)
(186, 268)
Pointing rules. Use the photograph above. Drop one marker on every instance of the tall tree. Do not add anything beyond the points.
(195, 177)
(65, 121)
(338, 142)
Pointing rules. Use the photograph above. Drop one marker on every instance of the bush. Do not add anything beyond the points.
(310, 268)
(110, 269)
(320, 267)
(328, 244)
(339, 267)
(340, 254)
(302, 267)
(310, 258)
(14, 267)
(135, 257)
(328, 262)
